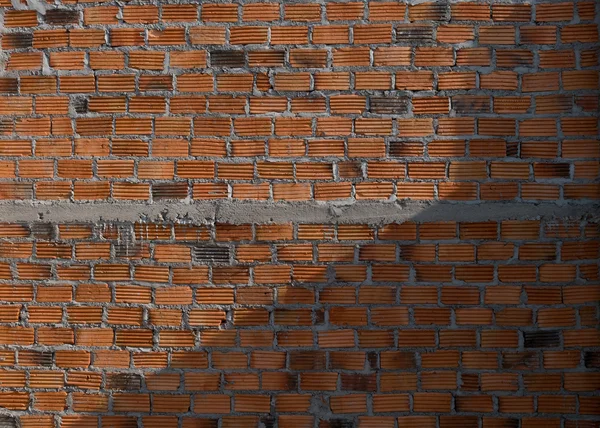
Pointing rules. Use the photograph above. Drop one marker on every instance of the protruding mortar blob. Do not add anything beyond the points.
(38, 5)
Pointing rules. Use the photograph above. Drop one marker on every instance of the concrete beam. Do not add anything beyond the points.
(238, 212)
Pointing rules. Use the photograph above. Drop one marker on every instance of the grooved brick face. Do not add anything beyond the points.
(372, 100)
(300, 324)
(267, 319)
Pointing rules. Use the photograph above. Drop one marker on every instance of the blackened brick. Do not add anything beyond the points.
(471, 104)
(359, 382)
(389, 105)
(61, 17)
(231, 59)
(124, 381)
(43, 230)
(592, 359)
(414, 33)
(80, 105)
(211, 254)
(542, 339)
(17, 40)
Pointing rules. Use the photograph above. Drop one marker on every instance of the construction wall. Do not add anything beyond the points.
(312, 214)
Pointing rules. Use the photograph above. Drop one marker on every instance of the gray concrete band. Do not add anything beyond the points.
(238, 212)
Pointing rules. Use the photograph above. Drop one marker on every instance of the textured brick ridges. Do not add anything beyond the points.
(185, 324)
(284, 101)
(329, 325)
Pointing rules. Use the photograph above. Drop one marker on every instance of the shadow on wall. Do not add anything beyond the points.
(325, 314)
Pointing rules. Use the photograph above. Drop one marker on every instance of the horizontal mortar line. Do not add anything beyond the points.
(237, 212)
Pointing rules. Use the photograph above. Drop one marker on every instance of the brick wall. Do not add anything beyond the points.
(315, 214)
(300, 101)
(492, 321)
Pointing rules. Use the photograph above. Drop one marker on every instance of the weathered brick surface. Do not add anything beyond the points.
(300, 324)
(316, 214)
(300, 101)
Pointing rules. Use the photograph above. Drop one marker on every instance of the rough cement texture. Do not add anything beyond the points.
(257, 212)
(39, 6)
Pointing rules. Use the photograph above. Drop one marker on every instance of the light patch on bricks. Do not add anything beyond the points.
(37, 5)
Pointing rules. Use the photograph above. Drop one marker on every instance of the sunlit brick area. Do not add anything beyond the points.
(299, 214)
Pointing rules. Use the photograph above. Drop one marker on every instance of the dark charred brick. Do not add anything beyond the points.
(211, 254)
(124, 381)
(231, 59)
(268, 421)
(414, 33)
(359, 382)
(9, 85)
(512, 149)
(61, 17)
(510, 423)
(80, 105)
(438, 11)
(42, 230)
(319, 316)
(471, 104)
(307, 360)
(592, 360)
(17, 40)
(542, 339)
(373, 359)
(389, 105)
(552, 170)
(337, 423)
(170, 190)
(35, 358)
